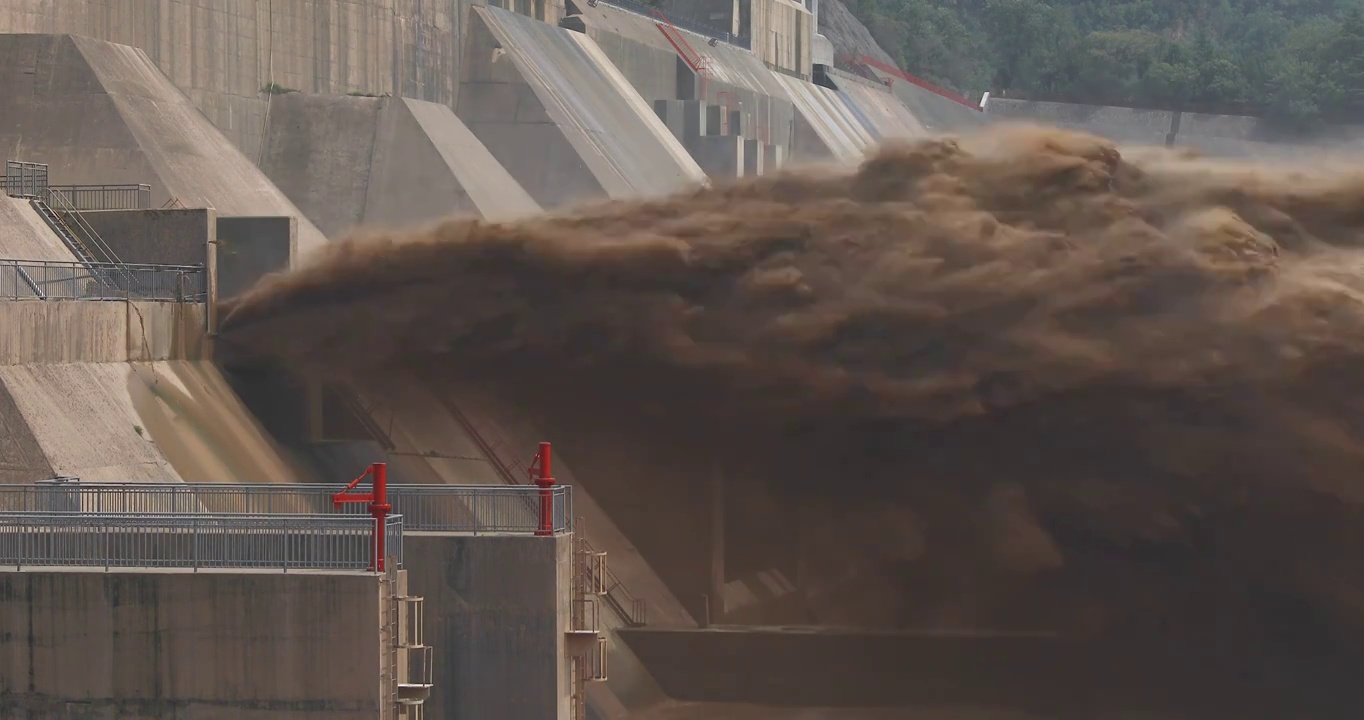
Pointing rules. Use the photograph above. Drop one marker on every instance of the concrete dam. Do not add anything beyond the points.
(186, 532)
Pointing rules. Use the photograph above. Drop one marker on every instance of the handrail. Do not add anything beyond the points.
(429, 508)
(630, 610)
(57, 280)
(284, 542)
(105, 197)
(64, 205)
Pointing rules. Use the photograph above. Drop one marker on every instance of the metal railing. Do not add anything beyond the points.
(30, 180)
(80, 229)
(54, 280)
(25, 179)
(100, 197)
(435, 508)
(285, 542)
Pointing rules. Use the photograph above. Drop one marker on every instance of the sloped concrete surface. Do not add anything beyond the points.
(881, 113)
(24, 235)
(390, 162)
(829, 122)
(318, 151)
(84, 420)
(428, 165)
(559, 116)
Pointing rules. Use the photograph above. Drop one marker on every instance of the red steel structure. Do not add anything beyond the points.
(901, 74)
(377, 498)
(699, 64)
(542, 475)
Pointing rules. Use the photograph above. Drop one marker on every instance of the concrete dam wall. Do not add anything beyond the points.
(223, 54)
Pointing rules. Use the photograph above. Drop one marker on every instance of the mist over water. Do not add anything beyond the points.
(1154, 353)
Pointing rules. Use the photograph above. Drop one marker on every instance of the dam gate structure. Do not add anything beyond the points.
(296, 543)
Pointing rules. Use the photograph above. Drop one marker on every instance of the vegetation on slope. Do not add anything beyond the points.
(1298, 61)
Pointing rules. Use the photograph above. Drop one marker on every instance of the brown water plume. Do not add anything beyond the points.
(1156, 351)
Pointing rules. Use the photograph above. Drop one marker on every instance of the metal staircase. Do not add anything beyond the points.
(56, 208)
(64, 232)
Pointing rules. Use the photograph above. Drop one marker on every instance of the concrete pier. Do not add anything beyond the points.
(499, 609)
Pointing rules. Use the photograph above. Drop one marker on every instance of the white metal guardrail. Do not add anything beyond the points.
(437, 508)
(126, 540)
(56, 280)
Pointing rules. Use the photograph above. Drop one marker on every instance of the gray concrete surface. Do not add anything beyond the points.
(21, 458)
(25, 236)
(883, 114)
(721, 156)
(428, 165)
(251, 247)
(498, 610)
(937, 113)
(829, 121)
(157, 237)
(149, 646)
(561, 118)
(318, 150)
(102, 113)
(111, 391)
(77, 331)
(223, 52)
(388, 162)
(735, 78)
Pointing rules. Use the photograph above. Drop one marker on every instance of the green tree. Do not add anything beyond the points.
(1016, 33)
(1344, 60)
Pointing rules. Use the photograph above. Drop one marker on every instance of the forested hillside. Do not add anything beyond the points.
(1297, 61)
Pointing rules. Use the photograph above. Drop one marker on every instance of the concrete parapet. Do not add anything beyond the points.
(76, 331)
(159, 644)
(156, 237)
(721, 156)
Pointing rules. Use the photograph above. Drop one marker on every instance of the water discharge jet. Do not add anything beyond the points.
(1155, 353)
